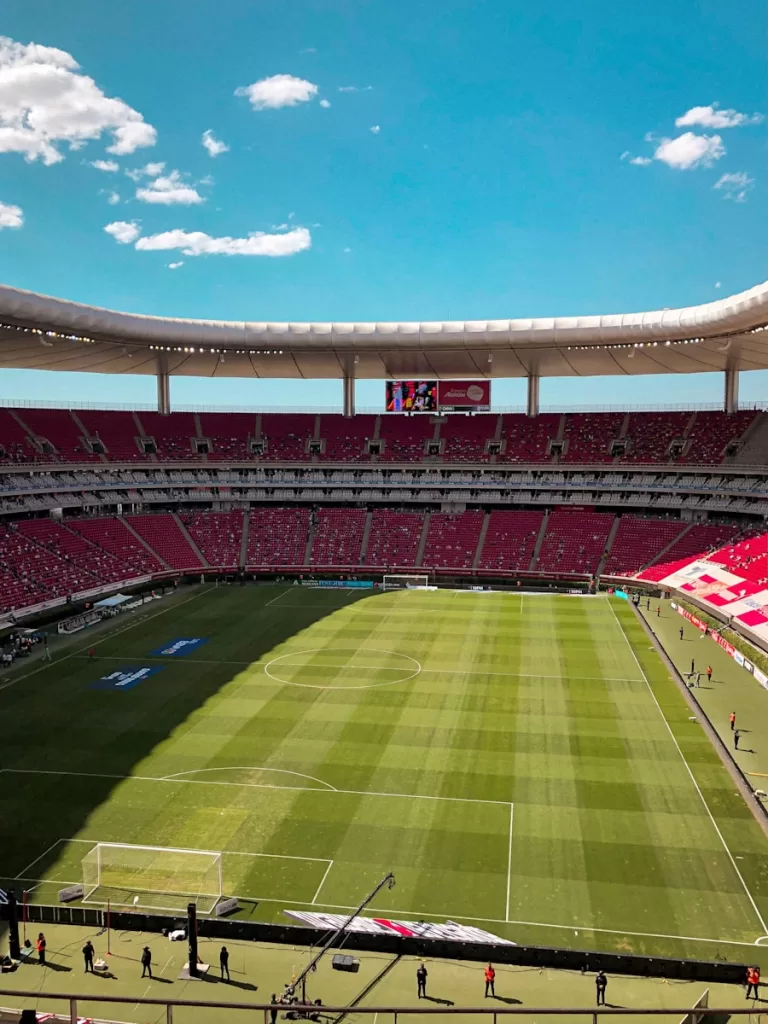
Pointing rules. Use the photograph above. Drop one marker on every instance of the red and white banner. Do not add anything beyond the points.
(464, 395)
(406, 929)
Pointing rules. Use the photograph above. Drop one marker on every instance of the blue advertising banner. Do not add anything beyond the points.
(179, 647)
(125, 678)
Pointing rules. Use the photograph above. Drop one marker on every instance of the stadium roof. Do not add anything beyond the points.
(39, 332)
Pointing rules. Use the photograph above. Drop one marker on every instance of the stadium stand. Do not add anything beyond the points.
(746, 558)
(15, 443)
(510, 540)
(102, 566)
(164, 536)
(338, 536)
(405, 437)
(452, 540)
(278, 536)
(638, 542)
(651, 434)
(287, 436)
(112, 535)
(119, 432)
(574, 541)
(528, 440)
(228, 434)
(588, 436)
(466, 438)
(173, 434)
(59, 428)
(218, 535)
(394, 538)
(346, 440)
(711, 434)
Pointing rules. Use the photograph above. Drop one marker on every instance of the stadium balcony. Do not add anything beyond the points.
(574, 541)
(277, 537)
(452, 540)
(394, 538)
(217, 535)
(338, 536)
(510, 540)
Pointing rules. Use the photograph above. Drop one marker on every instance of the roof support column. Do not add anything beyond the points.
(731, 390)
(163, 385)
(532, 404)
(349, 388)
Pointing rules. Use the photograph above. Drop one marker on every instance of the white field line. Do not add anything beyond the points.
(692, 776)
(322, 882)
(257, 785)
(23, 874)
(248, 768)
(108, 636)
(432, 671)
(509, 859)
(281, 594)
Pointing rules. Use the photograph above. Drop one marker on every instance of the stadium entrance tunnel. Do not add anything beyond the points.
(78, 742)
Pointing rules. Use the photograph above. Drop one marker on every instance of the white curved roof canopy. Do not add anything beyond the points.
(39, 332)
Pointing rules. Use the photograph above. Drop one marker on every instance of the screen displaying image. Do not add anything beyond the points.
(411, 396)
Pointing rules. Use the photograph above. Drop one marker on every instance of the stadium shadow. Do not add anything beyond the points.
(70, 738)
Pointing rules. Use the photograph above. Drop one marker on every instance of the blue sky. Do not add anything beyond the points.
(453, 160)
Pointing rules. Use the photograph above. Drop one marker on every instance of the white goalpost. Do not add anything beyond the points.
(152, 877)
(406, 581)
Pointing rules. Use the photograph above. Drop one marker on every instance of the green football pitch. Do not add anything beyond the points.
(519, 762)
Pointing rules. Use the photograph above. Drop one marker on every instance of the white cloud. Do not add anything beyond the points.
(718, 284)
(106, 165)
(10, 216)
(711, 117)
(175, 266)
(355, 88)
(640, 161)
(278, 91)
(45, 101)
(214, 146)
(197, 243)
(688, 151)
(375, 129)
(735, 186)
(325, 104)
(147, 171)
(123, 231)
(169, 190)
(113, 198)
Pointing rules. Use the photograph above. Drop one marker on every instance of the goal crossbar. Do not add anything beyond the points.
(406, 581)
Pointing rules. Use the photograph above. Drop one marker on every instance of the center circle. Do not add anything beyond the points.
(342, 668)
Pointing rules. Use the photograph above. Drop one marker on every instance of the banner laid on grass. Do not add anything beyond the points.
(179, 647)
(126, 678)
(450, 931)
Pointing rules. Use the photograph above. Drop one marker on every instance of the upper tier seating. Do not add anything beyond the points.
(394, 539)
(111, 534)
(574, 541)
(118, 430)
(452, 540)
(162, 533)
(712, 432)
(405, 437)
(228, 433)
(174, 435)
(338, 536)
(510, 540)
(218, 535)
(287, 436)
(346, 439)
(58, 427)
(278, 536)
(527, 439)
(651, 434)
(466, 437)
(638, 541)
(589, 436)
(15, 444)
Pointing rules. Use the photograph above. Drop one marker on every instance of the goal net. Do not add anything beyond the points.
(402, 581)
(152, 877)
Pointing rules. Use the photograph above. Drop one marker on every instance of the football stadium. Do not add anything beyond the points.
(419, 705)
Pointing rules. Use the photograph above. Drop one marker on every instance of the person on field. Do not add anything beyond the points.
(421, 981)
(732, 720)
(753, 981)
(40, 946)
(693, 665)
(658, 611)
(709, 673)
(224, 962)
(682, 632)
(490, 981)
(601, 984)
(146, 962)
(698, 679)
(88, 952)
(736, 740)
(91, 652)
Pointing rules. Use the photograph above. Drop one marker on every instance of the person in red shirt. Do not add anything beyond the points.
(709, 673)
(732, 720)
(490, 980)
(40, 946)
(753, 981)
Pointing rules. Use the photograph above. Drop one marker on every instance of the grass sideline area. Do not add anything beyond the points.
(258, 970)
(520, 762)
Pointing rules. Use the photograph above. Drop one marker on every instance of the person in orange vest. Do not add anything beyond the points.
(40, 946)
(658, 611)
(732, 720)
(753, 980)
(490, 980)
(709, 673)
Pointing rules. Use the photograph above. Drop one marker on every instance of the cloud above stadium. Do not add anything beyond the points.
(10, 216)
(735, 186)
(278, 91)
(214, 147)
(46, 103)
(198, 243)
(169, 190)
(712, 117)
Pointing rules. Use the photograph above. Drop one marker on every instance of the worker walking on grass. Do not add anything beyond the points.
(709, 673)
(421, 981)
(88, 952)
(146, 962)
(682, 632)
(753, 981)
(736, 740)
(490, 981)
(732, 720)
(693, 665)
(224, 962)
(601, 984)
(658, 611)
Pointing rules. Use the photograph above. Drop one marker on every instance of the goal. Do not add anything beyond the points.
(152, 877)
(402, 581)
